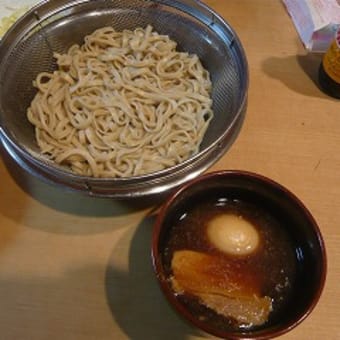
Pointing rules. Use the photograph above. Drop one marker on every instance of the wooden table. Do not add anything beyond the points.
(73, 267)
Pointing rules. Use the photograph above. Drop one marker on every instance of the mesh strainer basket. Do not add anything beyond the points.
(53, 26)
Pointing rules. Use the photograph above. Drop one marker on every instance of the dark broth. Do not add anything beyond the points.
(274, 262)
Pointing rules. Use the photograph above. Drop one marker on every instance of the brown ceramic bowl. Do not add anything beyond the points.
(277, 203)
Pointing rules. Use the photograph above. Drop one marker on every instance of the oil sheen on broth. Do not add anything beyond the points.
(230, 277)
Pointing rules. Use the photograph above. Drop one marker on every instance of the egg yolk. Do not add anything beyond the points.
(233, 234)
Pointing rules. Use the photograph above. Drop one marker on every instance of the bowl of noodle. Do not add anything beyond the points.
(113, 98)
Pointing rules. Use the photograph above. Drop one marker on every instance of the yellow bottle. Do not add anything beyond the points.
(329, 72)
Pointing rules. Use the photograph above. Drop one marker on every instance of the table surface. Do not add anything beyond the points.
(73, 267)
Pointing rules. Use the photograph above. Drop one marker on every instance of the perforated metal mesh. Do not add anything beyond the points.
(56, 25)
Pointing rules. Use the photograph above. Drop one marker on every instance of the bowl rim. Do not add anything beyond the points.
(272, 331)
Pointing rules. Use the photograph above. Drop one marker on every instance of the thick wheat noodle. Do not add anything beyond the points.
(122, 104)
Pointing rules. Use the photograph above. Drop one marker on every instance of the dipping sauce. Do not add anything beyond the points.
(231, 263)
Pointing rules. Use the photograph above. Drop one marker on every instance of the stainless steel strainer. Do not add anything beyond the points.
(53, 26)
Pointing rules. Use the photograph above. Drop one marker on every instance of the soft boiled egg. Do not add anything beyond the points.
(233, 234)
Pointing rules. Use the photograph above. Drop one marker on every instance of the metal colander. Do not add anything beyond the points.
(53, 26)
